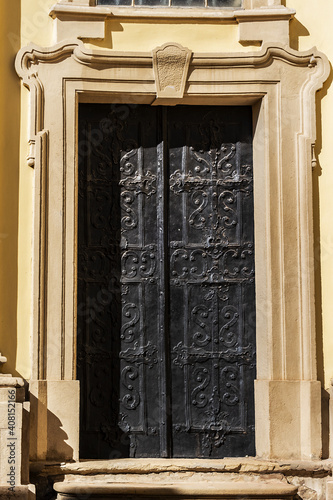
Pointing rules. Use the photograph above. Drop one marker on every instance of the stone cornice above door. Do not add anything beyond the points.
(31, 56)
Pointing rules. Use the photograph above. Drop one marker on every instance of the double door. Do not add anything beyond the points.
(166, 297)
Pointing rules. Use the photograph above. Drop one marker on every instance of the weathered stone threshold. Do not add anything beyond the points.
(185, 479)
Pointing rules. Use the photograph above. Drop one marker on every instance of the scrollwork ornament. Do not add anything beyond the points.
(182, 355)
(130, 220)
(132, 313)
(123, 424)
(216, 424)
(206, 167)
(176, 182)
(228, 200)
(185, 263)
(148, 262)
(139, 263)
(179, 255)
(198, 396)
(231, 396)
(220, 291)
(94, 263)
(237, 263)
(96, 394)
(101, 167)
(215, 246)
(100, 216)
(140, 184)
(227, 270)
(180, 183)
(199, 314)
(196, 219)
(126, 167)
(144, 355)
(131, 400)
(247, 271)
(228, 337)
(238, 355)
(229, 152)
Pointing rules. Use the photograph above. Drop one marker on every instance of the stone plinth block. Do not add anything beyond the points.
(10, 443)
(225, 490)
(54, 407)
(295, 407)
(19, 493)
(331, 425)
(18, 391)
(329, 490)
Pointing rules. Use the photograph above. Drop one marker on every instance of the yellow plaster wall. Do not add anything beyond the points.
(21, 21)
(36, 24)
(145, 35)
(36, 27)
(313, 26)
(9, 180)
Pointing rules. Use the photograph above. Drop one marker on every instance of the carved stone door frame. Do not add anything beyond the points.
(280, 84)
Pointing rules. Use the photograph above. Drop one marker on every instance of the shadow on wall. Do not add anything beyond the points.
(297, 30)
(47, 442)
(10, 18)
(46, 433)
(110, 26)
(317, 265)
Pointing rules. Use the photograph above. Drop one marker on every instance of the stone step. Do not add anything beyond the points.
(17, 493)
(227, 490)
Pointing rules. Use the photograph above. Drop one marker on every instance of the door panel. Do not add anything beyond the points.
(166, 306)
(211, 281)
(118, 280)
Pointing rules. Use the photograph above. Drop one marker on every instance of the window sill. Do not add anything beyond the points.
(72, 12)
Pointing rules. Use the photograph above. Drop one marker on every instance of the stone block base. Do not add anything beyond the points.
(208, 478)
(54, 428)
(288, 419)
(329, 490)
(197, 490)
(25, 492)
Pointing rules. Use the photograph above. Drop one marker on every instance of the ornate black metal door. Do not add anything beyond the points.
(166, 304)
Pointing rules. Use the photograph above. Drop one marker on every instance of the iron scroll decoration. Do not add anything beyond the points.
(188, 391)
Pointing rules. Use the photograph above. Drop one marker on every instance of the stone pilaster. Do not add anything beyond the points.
(14, 438)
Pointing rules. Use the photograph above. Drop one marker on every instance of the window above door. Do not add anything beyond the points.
(173, 3)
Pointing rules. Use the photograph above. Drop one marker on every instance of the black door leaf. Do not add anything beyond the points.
(166, 296)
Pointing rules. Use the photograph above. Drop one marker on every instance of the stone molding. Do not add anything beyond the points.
(32, 55)
(281, 86)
